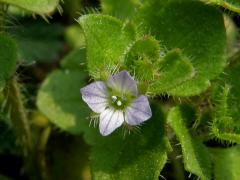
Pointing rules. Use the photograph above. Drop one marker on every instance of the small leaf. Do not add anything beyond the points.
(195, 28)
(106, 40)
(196, 157)
(75, 59)
(60, 100)
(35, 6)
(8, 58)
(226, 163)
(174, 69)
(142, 58)
(136, 156)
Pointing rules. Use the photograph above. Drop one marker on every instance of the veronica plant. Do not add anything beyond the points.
(117, 102)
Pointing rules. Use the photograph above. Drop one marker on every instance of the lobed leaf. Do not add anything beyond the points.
(196, 157)
(192, 27)
(59, 99)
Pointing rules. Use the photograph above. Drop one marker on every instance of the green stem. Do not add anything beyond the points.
(41, 153)
(19, 115)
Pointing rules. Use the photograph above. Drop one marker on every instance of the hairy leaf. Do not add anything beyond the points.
(35, 6)
(198, 30)
(226, 100)
(106, 41)
(196, 157)
(124, 9)
(174, 69)
(142, 57)
(8, 58)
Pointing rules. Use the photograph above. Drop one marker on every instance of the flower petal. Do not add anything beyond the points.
(96, 96)
(110, 120)
(123, 82)
(138, 112)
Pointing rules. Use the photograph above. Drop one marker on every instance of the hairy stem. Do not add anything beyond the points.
(19, 115)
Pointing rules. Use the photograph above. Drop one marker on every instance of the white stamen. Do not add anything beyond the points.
(119, 103)
(114, 98)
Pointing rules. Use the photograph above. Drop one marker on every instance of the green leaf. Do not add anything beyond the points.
(197, 29)
(142, 57)
(226, 100)
(124, 9)
(136, 156)
(8, 58)
(174, 69)
(106, 40)
(75, 59)
(196, 157)
(69, 153)
(60, 100)
(232, 5)
(223, 126)
(226, 163)
(75, 37)
(36, 6)
(38, 41)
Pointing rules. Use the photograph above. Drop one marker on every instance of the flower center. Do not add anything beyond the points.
(118, 102)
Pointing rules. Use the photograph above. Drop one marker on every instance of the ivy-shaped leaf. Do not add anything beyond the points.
(8, 58)
(197, 29)
(106, 41)
(174, 69)
(226, 163)
(59, 99)
(35, 6)
(196, 157)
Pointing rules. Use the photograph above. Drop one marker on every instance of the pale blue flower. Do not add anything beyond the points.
(117, 102)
